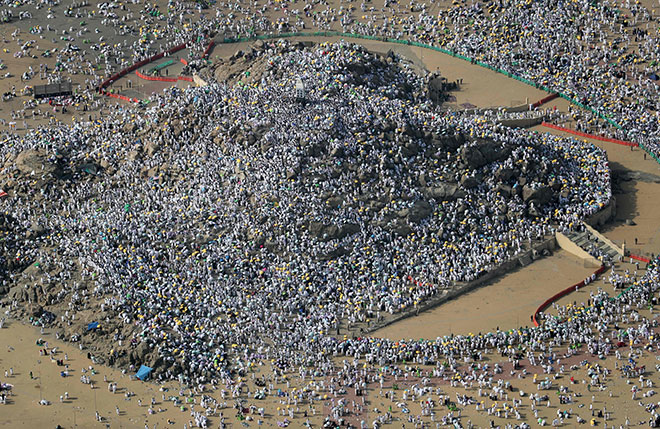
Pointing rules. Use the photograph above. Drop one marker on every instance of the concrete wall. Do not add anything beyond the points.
(604, 239)
(566, 244)
(558, 240)
(459, 289)
(521, 108)
(521, 123)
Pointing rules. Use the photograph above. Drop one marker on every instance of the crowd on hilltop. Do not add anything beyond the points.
(226, 219)
(292, 239)
(604, 55)
(233, 224)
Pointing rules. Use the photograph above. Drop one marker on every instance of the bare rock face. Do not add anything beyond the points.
(445, 191)
(469, 182)
(35, 162)
(420, 210)
(484, 152)
(541, 195)
(327, 232)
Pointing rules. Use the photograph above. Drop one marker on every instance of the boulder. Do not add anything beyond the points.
(36, 161)
(472, 157)
(504, 190)
(130, 127)
(503, 174)
(348, 229)
(469, 182)
(402, 230)
(337, 152)
(335, 201)
(152, 147)
(444, 191)
(542, 194)
(420, 210)
(133, 155)
(485, 152)
(327, 232)
(141, 351)
(36, 230)
(410, 149)
(18, 293)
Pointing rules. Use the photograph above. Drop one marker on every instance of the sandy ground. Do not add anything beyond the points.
(636, 199)
(507, 302)
(35, 377)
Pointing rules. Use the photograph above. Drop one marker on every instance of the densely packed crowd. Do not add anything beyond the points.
(238, 225)
(601, 54)
(225, 216)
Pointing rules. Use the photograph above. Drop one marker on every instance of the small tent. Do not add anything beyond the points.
(654, 76)
(143, 372)
(93, 325)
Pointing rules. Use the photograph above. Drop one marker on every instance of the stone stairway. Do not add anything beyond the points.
(588, 241)
(525, 260)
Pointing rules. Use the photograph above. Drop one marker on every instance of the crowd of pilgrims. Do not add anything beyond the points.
(604, 55)
(202, 245)
(201, 239)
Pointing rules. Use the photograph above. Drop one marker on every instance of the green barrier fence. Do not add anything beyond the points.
(161, 66)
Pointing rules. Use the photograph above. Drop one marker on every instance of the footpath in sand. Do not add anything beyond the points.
(506, 302)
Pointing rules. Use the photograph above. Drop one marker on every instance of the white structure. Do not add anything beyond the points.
(300, 90)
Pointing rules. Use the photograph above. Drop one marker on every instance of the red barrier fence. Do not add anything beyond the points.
(561, 294)
(120, 97)
(208, 49)
(544, 100)
(163, 79)
(136, 66)
(591, 136)
(640, 258)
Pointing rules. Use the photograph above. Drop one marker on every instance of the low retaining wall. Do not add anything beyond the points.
(521, 123)
(575, 250)
(547, 244)
(604, 215)
(590, 136)
(515, 109)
